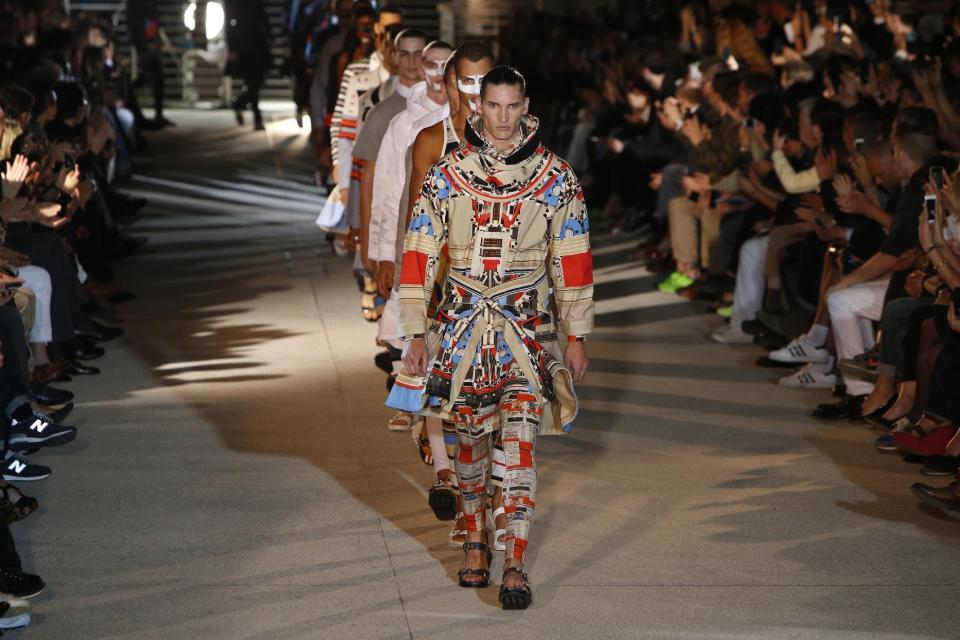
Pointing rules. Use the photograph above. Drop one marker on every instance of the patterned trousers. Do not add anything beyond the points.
(517, 418)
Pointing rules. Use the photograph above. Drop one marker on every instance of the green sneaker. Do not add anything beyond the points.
(725, 312)
(675, 282)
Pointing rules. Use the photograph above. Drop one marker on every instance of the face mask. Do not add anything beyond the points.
(433, 69)
(470, 89)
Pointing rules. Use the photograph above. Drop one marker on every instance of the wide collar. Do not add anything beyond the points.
(527, 142)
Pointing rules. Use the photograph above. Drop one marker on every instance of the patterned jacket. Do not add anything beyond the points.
(526, 210)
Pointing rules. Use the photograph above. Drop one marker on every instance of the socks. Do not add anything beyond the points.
(817, 336)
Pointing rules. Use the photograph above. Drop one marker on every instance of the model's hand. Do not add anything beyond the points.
(385, 272)
(575, 357)
(416, 359)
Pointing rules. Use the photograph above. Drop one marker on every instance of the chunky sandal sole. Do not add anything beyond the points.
(444, 504)
(515, 599)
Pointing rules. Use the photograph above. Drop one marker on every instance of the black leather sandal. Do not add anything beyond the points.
(483, 573)
(443, 500)
(516, 597)
(15, 511)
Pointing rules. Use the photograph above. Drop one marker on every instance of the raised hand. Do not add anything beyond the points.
(15, 176)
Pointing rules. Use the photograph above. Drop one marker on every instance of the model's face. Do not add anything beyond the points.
(432, 66)
(469, 76)
(409, 54)
(502, 107)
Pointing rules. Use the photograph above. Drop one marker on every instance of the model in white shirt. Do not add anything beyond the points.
(426, 106)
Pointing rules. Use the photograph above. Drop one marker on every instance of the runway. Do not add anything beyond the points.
(234, 477)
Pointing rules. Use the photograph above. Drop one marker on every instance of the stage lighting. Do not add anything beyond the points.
(215, 18)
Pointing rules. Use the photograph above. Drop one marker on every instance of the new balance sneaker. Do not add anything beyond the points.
(675, 282)
(799, 351)
(16, 583)
(728, 334)
(810, 377)
(16, 468)
(39, 431)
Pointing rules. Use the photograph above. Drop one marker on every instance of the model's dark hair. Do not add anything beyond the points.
(503, 75)
(473, 51)
(438, 44)
(409, 32)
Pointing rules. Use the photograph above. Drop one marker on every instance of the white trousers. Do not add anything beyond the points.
(748, 292)
(38, 281)
(852, 312)
(387, 331)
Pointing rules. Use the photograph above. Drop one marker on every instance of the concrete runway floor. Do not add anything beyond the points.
(234, 477)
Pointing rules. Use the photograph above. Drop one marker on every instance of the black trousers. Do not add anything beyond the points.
(943, 401)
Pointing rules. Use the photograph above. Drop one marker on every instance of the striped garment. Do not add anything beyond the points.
(359, 77)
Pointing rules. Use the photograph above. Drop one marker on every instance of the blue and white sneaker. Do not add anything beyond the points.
(39, 431)
(16, 468)
(885, 443)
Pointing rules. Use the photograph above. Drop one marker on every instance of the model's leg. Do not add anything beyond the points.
(472, 463)
(520, 415)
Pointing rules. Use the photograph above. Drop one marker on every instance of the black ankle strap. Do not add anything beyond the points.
(475, 546)
(520, 572)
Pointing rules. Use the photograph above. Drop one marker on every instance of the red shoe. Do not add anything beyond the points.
(931, 444)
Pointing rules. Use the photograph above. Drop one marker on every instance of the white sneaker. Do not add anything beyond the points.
(799, 351)
(810, 377)
(17, 615)
(728, 334)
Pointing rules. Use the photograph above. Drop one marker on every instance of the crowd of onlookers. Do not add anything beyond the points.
(69, 131)
(794, 164)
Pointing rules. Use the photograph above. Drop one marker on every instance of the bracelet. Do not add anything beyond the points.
(576, 338)
(411, 337)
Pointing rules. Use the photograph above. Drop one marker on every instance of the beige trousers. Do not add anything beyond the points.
(693, 231)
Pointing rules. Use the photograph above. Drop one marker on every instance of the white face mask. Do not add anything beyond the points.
(470, 89)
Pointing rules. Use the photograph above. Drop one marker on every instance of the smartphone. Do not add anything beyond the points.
(859, 145)
(736, 201)
(956, 302)
(748, 123)
(936, 174)
(69, 161)
(694, 196)
(930, 205)
(714, 199)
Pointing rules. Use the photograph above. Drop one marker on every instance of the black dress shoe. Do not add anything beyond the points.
(940, 466)
(48, 395)
(876, 417)
(85, 352)
(847, 409)
(100, 333)
(946, 498)
(80, 369)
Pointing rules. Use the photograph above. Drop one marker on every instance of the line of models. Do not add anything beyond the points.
(475, 237)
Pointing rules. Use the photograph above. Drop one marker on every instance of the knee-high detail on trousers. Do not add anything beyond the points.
(520, 415)
(518, 418)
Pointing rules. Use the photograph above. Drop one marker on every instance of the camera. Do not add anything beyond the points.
(859, 145)
(749, 123)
